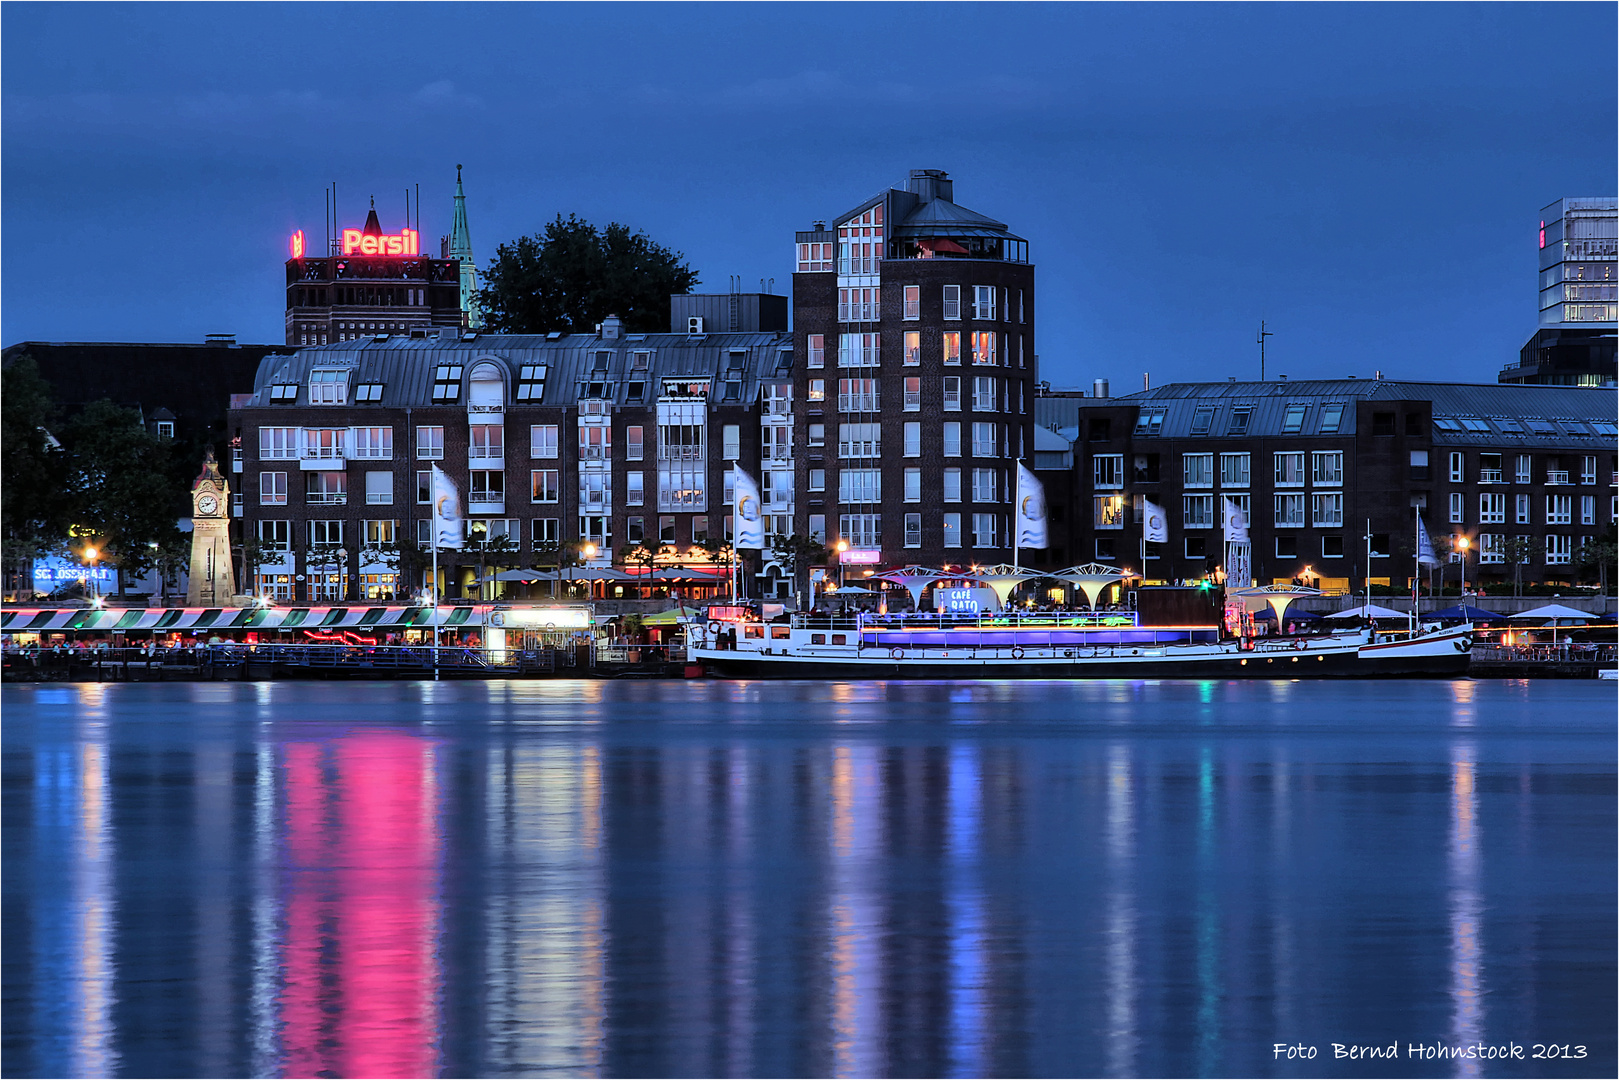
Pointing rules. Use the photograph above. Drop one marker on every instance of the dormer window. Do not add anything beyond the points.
(446, 383)
(640, 361)
(370, 391)
(287, 392)
(636, 392)
(329, 386)
(531, 382)
(599, 366)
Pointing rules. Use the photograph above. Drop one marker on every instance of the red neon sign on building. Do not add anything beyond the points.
(298, 244)
(356, 242)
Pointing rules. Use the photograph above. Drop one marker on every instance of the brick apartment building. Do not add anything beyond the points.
(1320, 466)
(914, 319)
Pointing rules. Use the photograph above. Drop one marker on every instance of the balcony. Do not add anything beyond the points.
(1557, 476)
(327, 498)
(1491, 476)
(236, 460)
(480, 504)
(486, 410)
(480, 458)
(322, 459)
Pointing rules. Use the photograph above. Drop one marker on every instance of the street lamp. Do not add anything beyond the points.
(1462, 543)
(841, 546)
(90, 556)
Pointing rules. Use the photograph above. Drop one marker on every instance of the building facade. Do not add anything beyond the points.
(1579, 297)
(914, 319)
(1323, 468)
(370, 283)
(555, 443)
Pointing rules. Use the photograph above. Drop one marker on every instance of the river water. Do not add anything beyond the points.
(559, 878)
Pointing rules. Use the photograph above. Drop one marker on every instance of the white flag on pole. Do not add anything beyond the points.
(446, 511)
(749, 528)
(1155, 522)
(1031, 509)
(1425, 551)
(1236, 522)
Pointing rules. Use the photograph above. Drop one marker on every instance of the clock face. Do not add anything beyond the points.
(207, 504)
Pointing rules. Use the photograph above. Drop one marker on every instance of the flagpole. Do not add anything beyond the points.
(433, 528)
(1017, 509)
(1416, 570)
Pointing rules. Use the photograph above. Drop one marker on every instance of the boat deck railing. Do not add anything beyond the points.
(1017, 620)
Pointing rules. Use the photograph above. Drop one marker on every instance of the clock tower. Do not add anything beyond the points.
(212, 581)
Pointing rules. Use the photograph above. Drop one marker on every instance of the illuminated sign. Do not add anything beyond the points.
(356, 242)
(54, 572)
(862, 556)
(298, 244)
(958, 601)
(543, 618)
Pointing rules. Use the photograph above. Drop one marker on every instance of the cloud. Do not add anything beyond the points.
(442, 94)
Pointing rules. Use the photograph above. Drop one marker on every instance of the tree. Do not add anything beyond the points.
(1598, 553)
(35, 504)
(574, 275)
(1517, 550)
(797, 553)
(122, 495)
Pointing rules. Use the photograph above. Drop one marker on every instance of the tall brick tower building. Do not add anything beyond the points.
(914, 319)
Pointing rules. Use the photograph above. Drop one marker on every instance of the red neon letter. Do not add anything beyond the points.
(351, 241)
(298, 244)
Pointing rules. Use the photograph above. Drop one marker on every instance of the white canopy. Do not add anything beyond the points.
(1276, 597)
(915, 579)
(1369, 611)
(1554, 611)
(1003, 578)
(1091, 579)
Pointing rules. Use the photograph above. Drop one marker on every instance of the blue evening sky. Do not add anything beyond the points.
(1367, 179)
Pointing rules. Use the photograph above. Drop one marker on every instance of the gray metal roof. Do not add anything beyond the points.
(1492, 414)
(940, 217)
(406, 366)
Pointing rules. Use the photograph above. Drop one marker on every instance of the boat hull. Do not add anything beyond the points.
(1437, 656)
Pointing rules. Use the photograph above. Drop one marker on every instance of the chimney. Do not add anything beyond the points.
(1146, 381)
(820, 226)
(1378, 374)
(612, 328)
(1283, 378)
(224, 340)
(930, 184)
(1099, 388)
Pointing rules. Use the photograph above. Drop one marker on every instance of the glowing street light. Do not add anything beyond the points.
(841, 546)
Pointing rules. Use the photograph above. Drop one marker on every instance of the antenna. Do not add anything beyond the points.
(407, 208)
(1263, 334)
(418, 209)
(326, 216)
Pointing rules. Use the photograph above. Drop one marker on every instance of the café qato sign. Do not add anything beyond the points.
(356, 242)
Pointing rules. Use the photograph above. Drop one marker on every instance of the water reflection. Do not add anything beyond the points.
(1136, 878)
(360, 906)
(1466, 909)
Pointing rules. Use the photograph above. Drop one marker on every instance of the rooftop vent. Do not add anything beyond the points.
(221, 339)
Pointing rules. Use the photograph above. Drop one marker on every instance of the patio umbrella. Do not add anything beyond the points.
(1369, 611)
(1555, 611)
(853, 590)
(1462, 613)
(527, 577)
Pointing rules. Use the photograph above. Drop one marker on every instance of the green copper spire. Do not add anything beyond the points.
(461, 248)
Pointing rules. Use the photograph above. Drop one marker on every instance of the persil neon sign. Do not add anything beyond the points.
(357, 243)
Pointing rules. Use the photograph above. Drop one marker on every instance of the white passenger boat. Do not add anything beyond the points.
(1052, 645)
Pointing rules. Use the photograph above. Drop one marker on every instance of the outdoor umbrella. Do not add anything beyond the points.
(1369, 611)
(1558, 612)
(527, 577)
(853, 590)
(1461, 613)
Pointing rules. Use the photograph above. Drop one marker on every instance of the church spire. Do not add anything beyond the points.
(373, 226)
(461, 248)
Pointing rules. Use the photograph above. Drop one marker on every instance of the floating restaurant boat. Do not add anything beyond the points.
(1055, 645)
